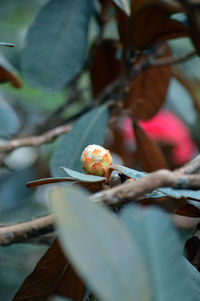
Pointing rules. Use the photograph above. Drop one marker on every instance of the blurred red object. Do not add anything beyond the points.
(165, 127)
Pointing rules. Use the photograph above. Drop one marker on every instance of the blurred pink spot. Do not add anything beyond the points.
(165, 127)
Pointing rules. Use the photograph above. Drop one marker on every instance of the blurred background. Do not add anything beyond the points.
(178, 136)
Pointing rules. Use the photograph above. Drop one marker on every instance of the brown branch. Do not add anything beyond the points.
(124, 193)
(35, 140)
(174, 60)
(21, 232)
(116, 91)
(119, 88)
(191, 167)
(135, 190)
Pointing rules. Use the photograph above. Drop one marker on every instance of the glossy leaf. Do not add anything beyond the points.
(123, 4)
(56, 44)
(53, 275)
(100, 247)
(160, 246)
(89, 129)
(9, 122)
(146, 98)
(149, 152)
(74, 175)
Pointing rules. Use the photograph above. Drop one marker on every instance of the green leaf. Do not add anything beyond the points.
(131, 173)
(194, 275)
(89, 129)
(161, 249)
(9, 122)
(100, 247)
(81, 176)
(56, 44)
(123, 4)
(179, 193)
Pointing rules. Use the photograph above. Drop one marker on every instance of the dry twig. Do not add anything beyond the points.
(21, 232)
(117, 91)
(174, 60)
(124, 193)
(35, 140)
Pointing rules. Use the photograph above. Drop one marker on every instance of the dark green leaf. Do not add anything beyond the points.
(123, 4)
(56, 43)
(89, 129)
(75, 175)
(194, 275)
(179, 193)
(100, 247)
(131, 173)
(161, 249)
(9, 122)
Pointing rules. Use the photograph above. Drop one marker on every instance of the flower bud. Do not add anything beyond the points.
(96, 160)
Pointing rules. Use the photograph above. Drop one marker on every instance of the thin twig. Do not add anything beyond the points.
(119, 88)
(116, 91)
(35, 140)
(135, 190)
(174, 60)
(130, 191)
(50, 119)
(191, 167)
(21, 232)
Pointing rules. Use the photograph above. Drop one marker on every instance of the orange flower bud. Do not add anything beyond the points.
(96, 160)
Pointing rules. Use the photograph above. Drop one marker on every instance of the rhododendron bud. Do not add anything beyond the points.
(96, 160)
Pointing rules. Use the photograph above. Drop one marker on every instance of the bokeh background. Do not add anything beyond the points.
(30, 106)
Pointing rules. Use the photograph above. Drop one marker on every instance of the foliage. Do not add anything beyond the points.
(89, 129)
(83, 70)
(51, 59)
